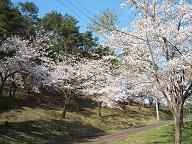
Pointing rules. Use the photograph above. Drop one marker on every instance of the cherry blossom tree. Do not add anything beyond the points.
(70, 77)
(103, 83)
(158, 47)
(29, 66)
(25, 59)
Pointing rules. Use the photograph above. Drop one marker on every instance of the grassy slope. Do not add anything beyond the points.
(163, 135)
(40, 124)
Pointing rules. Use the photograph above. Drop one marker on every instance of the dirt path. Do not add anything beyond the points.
(112, 137)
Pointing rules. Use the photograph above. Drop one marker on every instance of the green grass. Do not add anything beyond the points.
(163, 135)
(35, 125)
(38, 124)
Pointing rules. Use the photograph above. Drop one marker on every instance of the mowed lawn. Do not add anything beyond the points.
(163, 135)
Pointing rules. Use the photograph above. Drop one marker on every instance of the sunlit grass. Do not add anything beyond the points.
(163, 135)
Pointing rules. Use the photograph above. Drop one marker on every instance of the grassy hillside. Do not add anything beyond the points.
(32, 121)
(164, 135)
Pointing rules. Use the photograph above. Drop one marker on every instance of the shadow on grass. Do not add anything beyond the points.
(6, 103)
(42, 131)
(86, 112)
(167, 113)
(43, 102)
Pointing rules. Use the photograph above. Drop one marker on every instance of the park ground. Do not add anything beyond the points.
(36, 121)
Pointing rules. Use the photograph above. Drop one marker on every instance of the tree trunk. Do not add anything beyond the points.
(64, 109)
(99, 108)
(28, 91)
(140, 107)
(124, 107)
(150, 105)
(182, 123)
(77, 104)
(131, 102)
(1, 88)
(159, 106)
(178, 134)
(12, 91)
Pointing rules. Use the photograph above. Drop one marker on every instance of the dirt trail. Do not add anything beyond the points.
(112, 137)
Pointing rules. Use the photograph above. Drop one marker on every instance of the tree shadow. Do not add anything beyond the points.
(45, 102)
(86, 112)
(167, 113)
(6, 103)
(42, 131)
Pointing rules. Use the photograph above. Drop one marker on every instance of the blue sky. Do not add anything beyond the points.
(93, 6)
